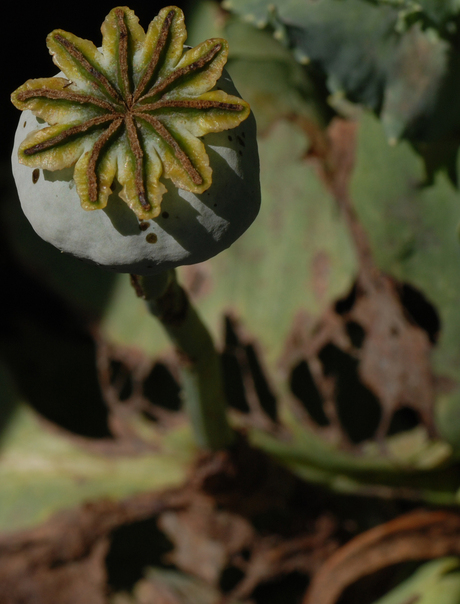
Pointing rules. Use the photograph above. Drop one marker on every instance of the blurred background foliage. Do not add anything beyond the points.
(357, 109)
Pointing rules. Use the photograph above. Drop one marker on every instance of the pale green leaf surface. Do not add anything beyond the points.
(436, 582)
(43, 472)
(282, 90)
(412, 229)
(412, 86)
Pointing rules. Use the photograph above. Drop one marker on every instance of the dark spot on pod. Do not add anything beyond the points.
(241, 141)
(143, 226)
(24, 125)
(151, 238)
(165, 215)
(230, 138)
(35, 175)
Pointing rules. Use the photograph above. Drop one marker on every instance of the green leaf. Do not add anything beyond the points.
(351, 41)
(270, 79)
(413, 84)
(407, 75)
(436, 582)
(438, 11)
(42, 472)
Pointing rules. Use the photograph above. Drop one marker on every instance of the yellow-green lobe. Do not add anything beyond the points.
(129, 192)
(202, 79)
(111, 39)
(66, 50)
(106, 172)
(56, 157)
(172, 49)
(132, 112)
(55, 110)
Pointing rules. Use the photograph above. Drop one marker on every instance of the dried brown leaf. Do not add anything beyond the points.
(395, 357)
(419, 535)
(63, 560)
(273, 556)
(205, 538)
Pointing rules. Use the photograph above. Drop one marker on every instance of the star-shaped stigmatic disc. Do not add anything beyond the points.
(133, 111)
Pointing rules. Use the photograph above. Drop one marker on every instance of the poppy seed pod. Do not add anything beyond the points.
(140, 156)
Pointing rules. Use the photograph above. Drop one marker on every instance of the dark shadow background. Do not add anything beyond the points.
(45, 346)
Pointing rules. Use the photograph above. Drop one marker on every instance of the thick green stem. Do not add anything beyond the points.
(201, 367)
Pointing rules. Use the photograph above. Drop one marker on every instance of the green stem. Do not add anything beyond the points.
(201, 367)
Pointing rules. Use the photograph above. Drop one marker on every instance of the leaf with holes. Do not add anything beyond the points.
(226, 284)
(412, 237)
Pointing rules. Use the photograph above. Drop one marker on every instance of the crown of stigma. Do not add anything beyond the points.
(134, 111)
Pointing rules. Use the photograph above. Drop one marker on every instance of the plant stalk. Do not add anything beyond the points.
(201, 368)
